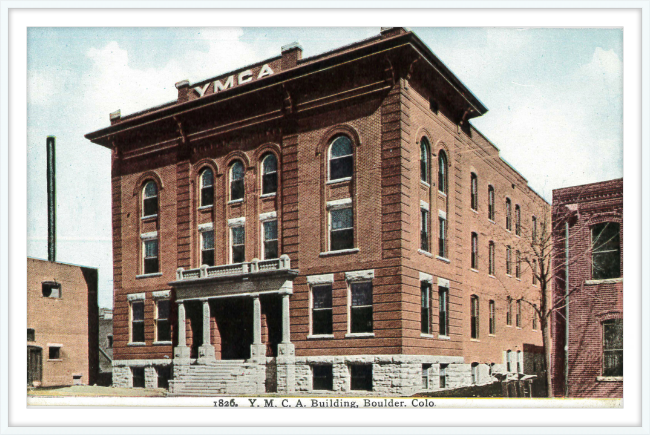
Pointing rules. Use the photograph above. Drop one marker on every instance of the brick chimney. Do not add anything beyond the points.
(291, 54)
(183, 91)
(115, 116)
(387, 32)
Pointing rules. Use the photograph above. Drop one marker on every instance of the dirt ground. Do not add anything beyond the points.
(87, 390)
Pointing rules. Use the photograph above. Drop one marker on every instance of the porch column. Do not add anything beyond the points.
(257, 320)
(286, 321)
(181, 352)
(206, 350)
(286, 360)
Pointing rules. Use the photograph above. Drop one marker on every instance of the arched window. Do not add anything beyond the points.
(491, 203)
(340, 158)
(474, 191)
(150, 199)
(491, 259)
(508, 215)
(237, 181)
(442, 171)
(269, 174)
(474, 251)
(424, 160)
(207, 187)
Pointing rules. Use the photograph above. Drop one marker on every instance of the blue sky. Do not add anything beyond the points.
(554, 98)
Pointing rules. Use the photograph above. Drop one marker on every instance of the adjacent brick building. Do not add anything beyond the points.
(593, 216)
(318, 224)
(62, 328)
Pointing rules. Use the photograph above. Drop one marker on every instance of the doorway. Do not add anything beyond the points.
(34, 365)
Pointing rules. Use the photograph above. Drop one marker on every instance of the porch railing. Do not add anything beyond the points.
(255, 266)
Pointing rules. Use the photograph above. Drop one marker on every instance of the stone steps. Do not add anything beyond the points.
(205, 380)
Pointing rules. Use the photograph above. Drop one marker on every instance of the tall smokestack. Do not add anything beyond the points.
(51, 199)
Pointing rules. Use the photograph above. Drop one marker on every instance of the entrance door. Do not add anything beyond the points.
(34, 365)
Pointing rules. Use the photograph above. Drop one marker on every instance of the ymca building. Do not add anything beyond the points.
(322, 224)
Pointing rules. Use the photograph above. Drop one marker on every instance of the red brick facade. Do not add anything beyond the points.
(593, 302)
(385, 96)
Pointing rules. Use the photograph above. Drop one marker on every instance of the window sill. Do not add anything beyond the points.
(492, 276)
(475, 340)
(162, 343)
(492, 335)
(603, 281)
(445, 259)
(59, 360)
(268, 195)
(491, 221)
(236, 201)
(320, 336)
(508, 275)
(441, 193)
(422, 335)
(359, 334)
(473, 270)
(339, 252)
(424, 183)
(423, 252)
(444, 337)
(518, 279)
(136, 344)
(475, 211)
(150, 217)
(148, 275)
(339, 180)
(609, 378)
(206, 207)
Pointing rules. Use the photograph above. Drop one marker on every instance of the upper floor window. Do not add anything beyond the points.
(508, 215)
(533, 231)
(606, 250)
(517, 220)
(474, 191)
(518, 314)
(613, 347)
(207, 247)
(163, 330)
(442, 171)
(150, 199)
(237, 181)
(269, 174)
(51, 289)
(424, 229)
(474, 317)
(207, 187)
(508, 260)
(270, 229)
(424, 160)
(491, 203)
(509, 313)
(361, 307)
(150, 256)
(31, 334)
(491, 258)
(237, 244)
(534, 271)
(321, 315)
(341, 229)
(474, 251)
(518, 264)
(492, 317)
(340, 158)
(442, 237)
(534, 316)
(137, 322)
(425, 311)
(443, 311)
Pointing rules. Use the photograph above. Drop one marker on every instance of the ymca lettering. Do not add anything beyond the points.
(242, 77)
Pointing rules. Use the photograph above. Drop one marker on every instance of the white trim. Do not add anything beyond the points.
(162, 294)
(161, 343)
(54, 345)
(135, 297)
(326, 278)
(426, 277)
(428, 254)
(339, 203)
(206, 227)
(359, 334)
(236, 201)
(268, 216)
(150, 235)
(603, 281)
(338, 180)
(237, 222)
(609, 378)
(442, 214)
(140, 362)
(423, 335)
(151, 216)
(424, 205)
(360, 275)
(443, 282)
(446, 260)
(424, 183)
(268, 195)
(206, 207)
(148, 275)
(340, 251)
(444, 337)
(320, 336)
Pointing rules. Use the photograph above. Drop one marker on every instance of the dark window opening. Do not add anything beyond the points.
(137, 322)
(606, 250)
(474, 319)
(517, 264)
(342, 232)
(270, 239)
(361, 377)
(509, 312)
(138, 377)
(361, 307)
(424, 230)
(425, 310)
(424, 160)
(151, 256)
(518, 314)
(443, 375)
(492, 318)
(517, 220)
(613, 347)
(340, 159)
(54, 352)
(207, 187)
(31, 334)
(51, 289)
(109, 341)
(442, 237)
(508, 260)
(491, 203)
(207, 248)
(164, 375)
(474, 373)
(323, 378)
(238, 244)
(270, 174)
(474, 191)
(508, 215)
(425, 376)
(474, 251)
(163, 330)
(322, 310)
(442, 172)
(150, 199)
(491, 259)
(237, 181)
(443, 310)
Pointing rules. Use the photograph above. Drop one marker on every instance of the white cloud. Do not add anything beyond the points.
(41, 87)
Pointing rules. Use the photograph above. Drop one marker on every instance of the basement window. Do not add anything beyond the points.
(361, 377)
(51, 289)
(138, 377)
(323, 378)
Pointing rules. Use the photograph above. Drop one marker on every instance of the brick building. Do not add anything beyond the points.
(61, 324)
(331, 223)
(593, 216)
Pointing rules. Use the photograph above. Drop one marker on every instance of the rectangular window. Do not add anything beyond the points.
(442, 237)
(426, 368)
(425, 311)
(517, 220)
(51, 289)
(238, 240)
(534, 272)
(443, 311)
(474, 191)
(207, 248)
(518, 264)
(509, 312)
(138, 377)
(518, 318)
(492, 318)
(474, 373)
(150, 248)
(508, 260)
(341, 229)
(361, 377)
(491, 203)
(163, 331)
(54, 352)
(321, 314)
(270, 239)
(424, 230)
(443, 375)
(109, 341)
(361, 307)
(613, 347)
(31, 334)
(164, 375)
(323, 378)
(474, 317)
(534, 316)
(534, 229)
(137, 322)
(474, 251)
(491, 259)
(508, 215)
(606, 250)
